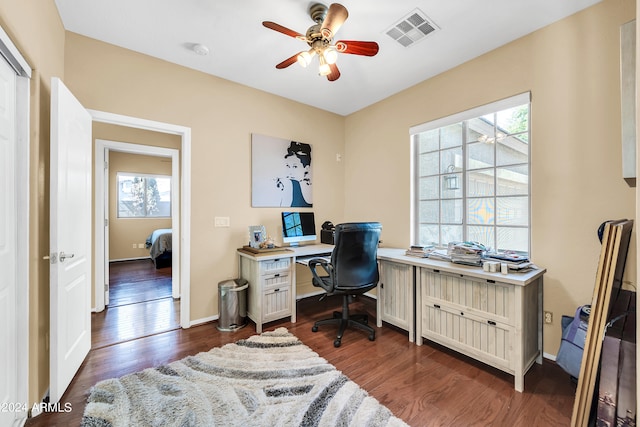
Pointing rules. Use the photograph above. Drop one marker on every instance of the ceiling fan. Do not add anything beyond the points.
(319, 37)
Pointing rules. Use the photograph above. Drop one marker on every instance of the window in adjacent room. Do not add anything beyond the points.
(471, 174)
(143, 196)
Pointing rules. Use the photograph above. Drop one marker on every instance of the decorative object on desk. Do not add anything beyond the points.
(257, 235)
(248, 248)
(280, 172)
(267, 379)
(268, 244)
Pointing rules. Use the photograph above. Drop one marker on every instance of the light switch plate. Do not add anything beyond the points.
(221, 221)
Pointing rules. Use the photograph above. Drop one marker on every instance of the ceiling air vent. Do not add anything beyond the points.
(412, 28)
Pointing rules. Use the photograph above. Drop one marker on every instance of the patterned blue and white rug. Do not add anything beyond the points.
(266, 380)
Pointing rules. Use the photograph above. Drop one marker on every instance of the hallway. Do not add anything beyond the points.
(140, 304)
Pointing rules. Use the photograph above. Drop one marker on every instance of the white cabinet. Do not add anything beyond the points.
(396, 296)
(496, 323)
(270, 295)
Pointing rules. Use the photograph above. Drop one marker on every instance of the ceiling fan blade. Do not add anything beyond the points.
(284, 30)
(334, 74)
(355, 47)
(291, 60)
(336, 16)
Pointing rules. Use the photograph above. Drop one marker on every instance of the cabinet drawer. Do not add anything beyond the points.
(276, 304)
(482, 339)
(277, 280)
(274, 265)
(495, 301)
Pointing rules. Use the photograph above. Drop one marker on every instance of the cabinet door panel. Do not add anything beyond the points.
(397, 298)
(276, 304)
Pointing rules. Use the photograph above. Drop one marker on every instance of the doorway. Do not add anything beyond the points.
(181, 209)
(139, 194)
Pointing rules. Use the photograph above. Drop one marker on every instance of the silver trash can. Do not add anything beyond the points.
(232, 304)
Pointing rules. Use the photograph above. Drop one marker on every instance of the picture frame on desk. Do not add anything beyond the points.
(257, 235)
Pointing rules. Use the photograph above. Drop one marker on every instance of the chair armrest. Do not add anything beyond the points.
(326, 265)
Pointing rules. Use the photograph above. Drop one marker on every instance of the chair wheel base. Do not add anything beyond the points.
(337, 343)
(314, 329)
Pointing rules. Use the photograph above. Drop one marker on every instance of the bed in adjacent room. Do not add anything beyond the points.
(159, 245)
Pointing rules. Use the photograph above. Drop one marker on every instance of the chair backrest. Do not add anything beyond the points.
(354, 257)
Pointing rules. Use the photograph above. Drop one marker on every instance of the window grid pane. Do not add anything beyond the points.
(143, 196)
(473, 181)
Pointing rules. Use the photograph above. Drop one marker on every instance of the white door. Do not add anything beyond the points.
(8, 244)
(70, 237)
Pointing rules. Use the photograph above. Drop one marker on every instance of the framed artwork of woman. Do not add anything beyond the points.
(280, 172)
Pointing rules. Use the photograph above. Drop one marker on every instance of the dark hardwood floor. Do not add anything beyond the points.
(140, 304)
(425, 386)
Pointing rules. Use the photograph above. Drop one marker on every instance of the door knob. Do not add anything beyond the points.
(64, 256)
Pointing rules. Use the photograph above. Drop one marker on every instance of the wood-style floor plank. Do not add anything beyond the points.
(425, 386)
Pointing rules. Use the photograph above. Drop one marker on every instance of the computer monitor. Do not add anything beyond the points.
(298, 227)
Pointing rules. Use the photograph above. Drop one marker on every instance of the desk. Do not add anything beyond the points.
(272, 281)
(492, 317)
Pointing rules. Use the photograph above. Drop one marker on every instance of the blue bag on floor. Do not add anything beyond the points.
(574, 335)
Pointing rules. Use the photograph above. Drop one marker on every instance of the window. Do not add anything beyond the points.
(472, 177)
(143, 196)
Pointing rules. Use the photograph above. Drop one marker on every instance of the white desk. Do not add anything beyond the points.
(272, 281)
(492, 317)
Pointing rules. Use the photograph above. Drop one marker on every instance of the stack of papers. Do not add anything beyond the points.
(514, 261)
(508, 257)
(468, 253)
(440, 254)
(420, 251)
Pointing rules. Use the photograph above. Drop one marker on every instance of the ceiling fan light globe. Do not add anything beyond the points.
(330, 55)
(324, 69)
(304, 59)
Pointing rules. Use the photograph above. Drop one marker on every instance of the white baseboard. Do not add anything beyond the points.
(549, 356)
(197, 322)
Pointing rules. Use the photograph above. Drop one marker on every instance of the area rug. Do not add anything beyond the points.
(271, 379)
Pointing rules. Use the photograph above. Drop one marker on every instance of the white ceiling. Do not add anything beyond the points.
(243, 51)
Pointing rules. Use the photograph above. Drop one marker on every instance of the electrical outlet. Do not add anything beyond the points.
(548, 317)
(133, 245)
(140, 245)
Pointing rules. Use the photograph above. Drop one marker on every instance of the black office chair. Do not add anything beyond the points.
(353, 270)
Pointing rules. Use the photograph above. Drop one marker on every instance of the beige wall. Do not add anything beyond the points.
(222, 115)
(572, 71)
(124, 232)
(35, 28)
